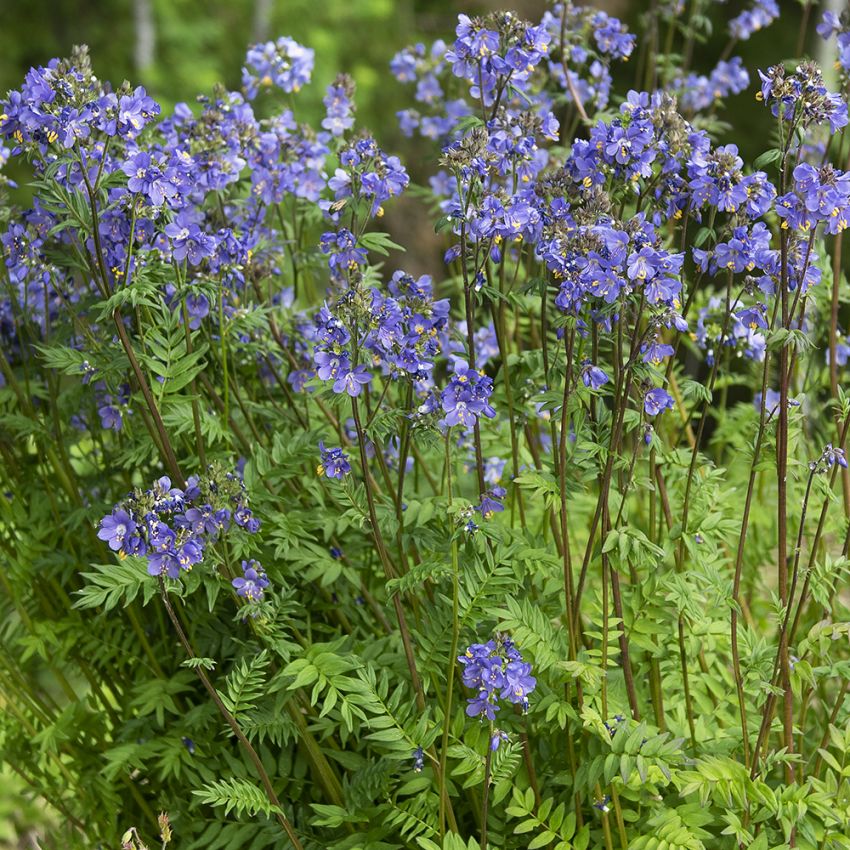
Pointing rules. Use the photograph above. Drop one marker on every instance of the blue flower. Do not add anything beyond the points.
(491, 502)
(333, 464)
(592, 376)
(172, 526)
(493, 469)
(147, 178)
(518, 683)
(116, 528)
(497, 738)
(340, 110)
(352, 381)
(495, 670)
(762, 13)
(341, 246)
(418, 760)
(283, 63)
(467, 396)
(253, 581)
(110, 417)
(654, 352)
(657, 401)
(188, 241)
(135, 111)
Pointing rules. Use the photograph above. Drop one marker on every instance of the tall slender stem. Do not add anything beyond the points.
(450, 674)
(389, 570)
(232, 723)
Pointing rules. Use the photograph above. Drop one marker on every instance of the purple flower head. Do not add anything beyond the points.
(592, 376)
(832, 455)
(352, 381)
(245, 519)
(418, 760)
(491, 502)
(134, 111)
(190, 553)
(654, 352)
(110, 417)
(518, 683)
(253, 581)
(340, 109)
(334, 462)
(147, 178)
(761, 14)
(172, 527)
(495, 670)
(497, 738)
(116, 528)
(467, 396)
(493, 469)
(341, 246)
(657, 401)
(283, 63)
(188, 241)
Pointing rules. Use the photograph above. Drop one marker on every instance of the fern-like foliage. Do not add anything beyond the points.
(235, 795)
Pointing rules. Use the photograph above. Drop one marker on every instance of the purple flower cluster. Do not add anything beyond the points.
(592, 376)
(64, 104)
(495, 671)
(504, 60)
(657, 401)
(592, 41)
(365, 174)
(838, 25)
(110, 408)
(820, 195)
(341, 248)
(760, 15)
(493, 469)
(339, 106)
(333, 463)
(466, 397)
(253, 581)
(602, 264)
(399, 333)
(698, 91)
(802, 97)
(283, 64)
(172, 527)
(489, 53)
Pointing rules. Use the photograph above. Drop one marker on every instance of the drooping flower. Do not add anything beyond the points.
(592, 376)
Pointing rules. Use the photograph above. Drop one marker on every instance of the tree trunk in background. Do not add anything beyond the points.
(144, 48)
(262, 19)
